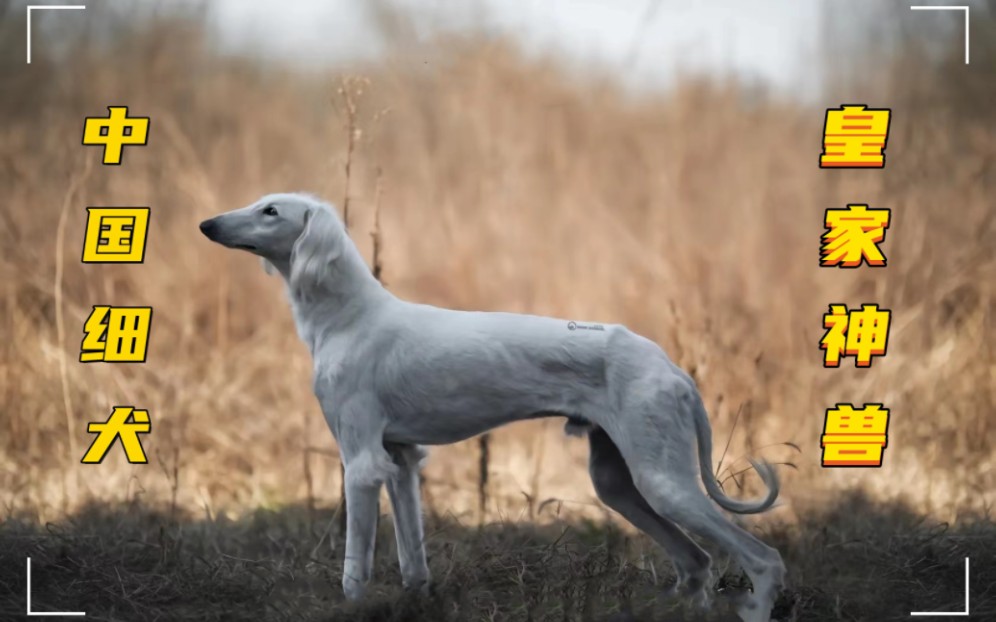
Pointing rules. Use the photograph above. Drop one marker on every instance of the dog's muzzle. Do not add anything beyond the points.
(214, 232)
(209, 227)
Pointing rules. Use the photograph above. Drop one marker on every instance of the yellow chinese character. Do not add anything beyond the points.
(853, 235)
(115, 234)
(854, 437)
(859, 333)
(116, 334)
(125, 422)
(835, 339)
(114, 131)
(855, 137)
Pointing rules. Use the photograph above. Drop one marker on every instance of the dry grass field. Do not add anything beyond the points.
(502, 183)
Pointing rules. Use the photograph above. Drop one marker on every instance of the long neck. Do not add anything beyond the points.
(340, 302)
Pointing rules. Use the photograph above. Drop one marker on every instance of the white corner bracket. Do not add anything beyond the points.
(48, 7)
(948, 613)
(46, 613)
(946, 7)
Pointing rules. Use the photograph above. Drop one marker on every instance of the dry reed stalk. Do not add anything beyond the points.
(483, 447)
(539, 452)
(60, 324)
(308, 478)
(349, 91)
(378, 267)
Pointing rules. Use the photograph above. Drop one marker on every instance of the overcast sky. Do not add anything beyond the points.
(776, 41)
(646, 39)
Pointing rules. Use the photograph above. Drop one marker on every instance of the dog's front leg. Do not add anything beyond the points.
(363, 482)
(403, 490)
(358, 427)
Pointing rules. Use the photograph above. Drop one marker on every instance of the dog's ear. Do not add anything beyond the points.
(316, 249)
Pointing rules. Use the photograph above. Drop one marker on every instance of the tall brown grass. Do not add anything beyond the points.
(694, 217)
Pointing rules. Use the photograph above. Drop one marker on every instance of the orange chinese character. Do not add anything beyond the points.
(855, 137)
(853, 236)
(854, 437)
(860, 333)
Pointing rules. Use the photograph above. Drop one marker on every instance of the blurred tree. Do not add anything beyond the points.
(887, 48)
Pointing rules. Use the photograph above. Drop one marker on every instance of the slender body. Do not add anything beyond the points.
(392, 376)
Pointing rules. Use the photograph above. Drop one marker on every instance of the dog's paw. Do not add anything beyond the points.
(694, 587)
(353, 588)
(750, 610)
(420, 585)
(694, 593)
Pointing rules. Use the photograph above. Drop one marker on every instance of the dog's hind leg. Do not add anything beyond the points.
(403, 490)
(615, 488)
(682, 502)
(665, 471)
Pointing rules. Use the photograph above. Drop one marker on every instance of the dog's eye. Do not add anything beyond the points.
(270, 210)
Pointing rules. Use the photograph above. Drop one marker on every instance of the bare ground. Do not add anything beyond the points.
(856, 561)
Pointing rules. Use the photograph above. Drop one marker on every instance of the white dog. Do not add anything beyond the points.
(391, 376)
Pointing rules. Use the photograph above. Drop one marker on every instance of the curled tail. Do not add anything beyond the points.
(703, 434)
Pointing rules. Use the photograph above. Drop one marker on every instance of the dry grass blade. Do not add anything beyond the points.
(729, 439)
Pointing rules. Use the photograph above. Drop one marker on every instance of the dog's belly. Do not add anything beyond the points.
(446, 408)
(440, 429)
(453, 379)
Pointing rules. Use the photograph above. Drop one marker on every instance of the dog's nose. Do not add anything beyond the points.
(208, 227)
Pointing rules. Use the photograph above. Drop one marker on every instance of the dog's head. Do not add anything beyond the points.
(296, 232)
